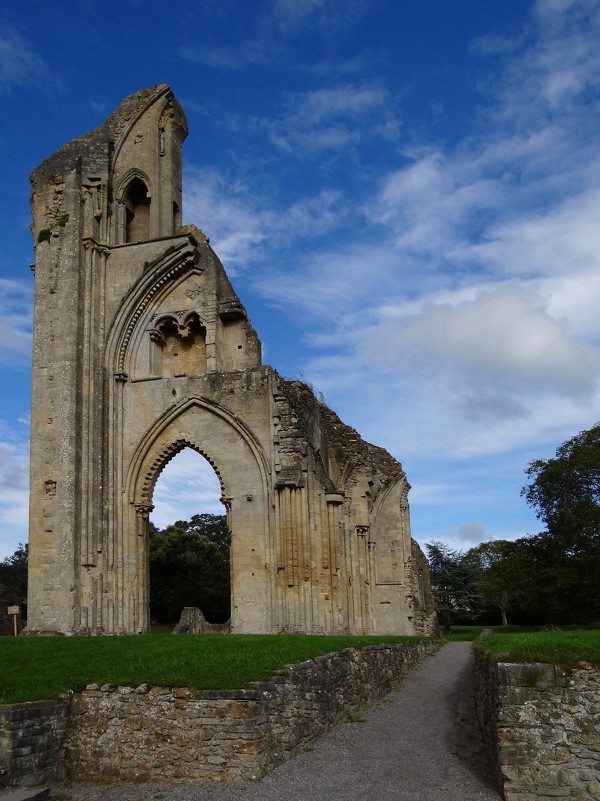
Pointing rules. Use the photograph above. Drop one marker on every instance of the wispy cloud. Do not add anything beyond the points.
(20, 65)
(475, 311)
(244, 229)
(333, 118)
(15, 322)
(188, 485)
(269, 41)
(227, 57)
(457, 291)
(229, 214)
(14, 491)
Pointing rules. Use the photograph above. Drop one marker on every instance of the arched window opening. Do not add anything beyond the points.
(137, 211)
(179, 348)
(189, 543)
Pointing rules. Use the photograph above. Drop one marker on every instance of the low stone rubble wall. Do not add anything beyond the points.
(150, 733)
(541, 726)
(31, 738)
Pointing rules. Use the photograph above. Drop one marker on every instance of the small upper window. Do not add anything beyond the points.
(137, 210)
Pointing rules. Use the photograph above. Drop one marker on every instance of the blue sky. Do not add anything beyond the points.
(405, 193)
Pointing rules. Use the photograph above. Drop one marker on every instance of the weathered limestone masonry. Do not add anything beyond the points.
(31, 740)
(151, 733)
(541, 725)
(141, 349)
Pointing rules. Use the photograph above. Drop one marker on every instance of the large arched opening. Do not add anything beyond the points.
(189, 543)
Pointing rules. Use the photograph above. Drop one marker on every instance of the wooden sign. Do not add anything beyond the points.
(14, 612)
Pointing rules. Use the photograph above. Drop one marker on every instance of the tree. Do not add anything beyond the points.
(454, 585)
(212, 526)
(565, 491)
(503, 574)
(189, 566)
(13, 584)
(565, 560)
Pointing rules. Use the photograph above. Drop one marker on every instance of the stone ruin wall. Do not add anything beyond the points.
(341, 458)
(176, 733)
(141, 349)
(541, 727)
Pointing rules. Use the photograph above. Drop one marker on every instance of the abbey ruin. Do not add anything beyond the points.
(141, 349)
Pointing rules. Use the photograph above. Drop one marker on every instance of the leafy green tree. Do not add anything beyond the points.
(454, 585)
(565, 491)
(189, 566)
(503, 574)
(565, 560)
(13, 585)
(212, 526)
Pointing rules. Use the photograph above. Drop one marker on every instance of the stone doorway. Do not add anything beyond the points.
(189, 544)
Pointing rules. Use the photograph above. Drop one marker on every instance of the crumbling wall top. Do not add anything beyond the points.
(347, 451)
(94, 149)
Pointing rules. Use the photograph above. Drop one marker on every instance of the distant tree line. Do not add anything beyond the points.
(189, 566)
(550, 578)
(13, 587)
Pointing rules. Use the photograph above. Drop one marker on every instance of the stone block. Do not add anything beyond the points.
(593, 789)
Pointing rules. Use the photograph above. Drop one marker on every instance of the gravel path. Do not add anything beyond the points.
(420, 743)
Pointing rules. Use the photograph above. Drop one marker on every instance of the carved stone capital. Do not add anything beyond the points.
(143, 509)
(121, 377)
(362, 531)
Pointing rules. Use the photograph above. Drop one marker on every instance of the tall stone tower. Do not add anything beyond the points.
(142, 348)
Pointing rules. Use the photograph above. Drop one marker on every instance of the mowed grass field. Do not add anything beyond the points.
(565, 648)
(36, 668)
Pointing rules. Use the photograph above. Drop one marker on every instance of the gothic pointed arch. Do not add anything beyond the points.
(133, 207)
(176, 265)
(390, 531)
(203, 425)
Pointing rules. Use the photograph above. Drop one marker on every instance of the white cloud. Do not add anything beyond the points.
(452, 309)
(333, 118)
(501, 338)
(243, 229)
(14, 492)
(228, 215)
(20, 65)
(226, 57)
(188, 485)
(561, 238)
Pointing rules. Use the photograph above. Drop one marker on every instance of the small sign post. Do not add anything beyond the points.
(14, 611)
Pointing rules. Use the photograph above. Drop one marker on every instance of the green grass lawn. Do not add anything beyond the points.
(558, 647)
(463, 633)
(35, 668)
(468, 633)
